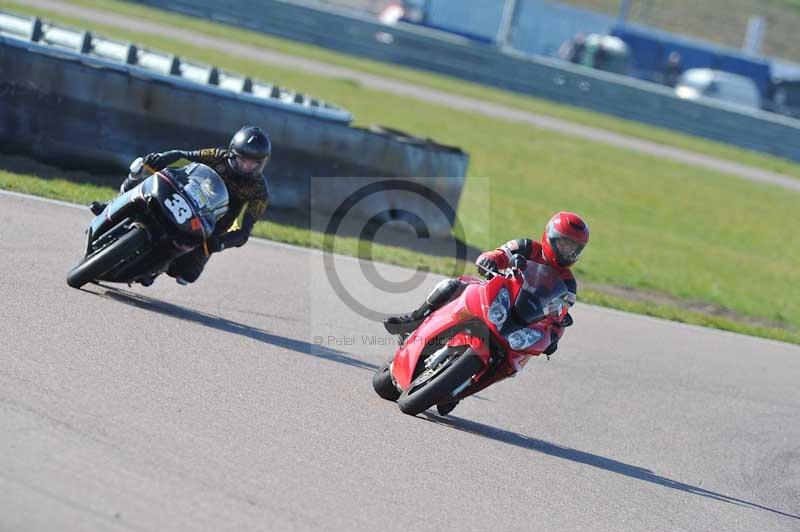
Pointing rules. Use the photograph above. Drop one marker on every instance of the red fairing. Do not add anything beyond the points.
(473, 306)
(406, 358)
(470, 305)
(477, 344)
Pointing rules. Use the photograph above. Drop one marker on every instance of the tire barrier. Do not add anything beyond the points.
(79, 105)
(37, 31)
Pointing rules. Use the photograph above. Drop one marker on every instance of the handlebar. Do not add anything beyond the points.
(508, 273)
(139, 168)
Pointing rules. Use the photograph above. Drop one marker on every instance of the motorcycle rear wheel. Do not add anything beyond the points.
(418, 398)
(102, 262)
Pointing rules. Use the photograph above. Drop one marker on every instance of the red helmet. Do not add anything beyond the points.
(564, 238)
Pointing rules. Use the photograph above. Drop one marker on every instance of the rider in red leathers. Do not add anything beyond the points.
(563, 240)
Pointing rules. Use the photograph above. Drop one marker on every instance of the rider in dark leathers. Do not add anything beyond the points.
(241, 167)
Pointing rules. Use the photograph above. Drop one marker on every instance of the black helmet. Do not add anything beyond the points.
(249, 152)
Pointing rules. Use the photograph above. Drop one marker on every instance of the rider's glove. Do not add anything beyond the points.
(486, 266)
(518, 262)
(153, 160)
(215, 244)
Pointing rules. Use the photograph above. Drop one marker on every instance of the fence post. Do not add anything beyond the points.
(624, 10)
(754, 38)
(507, 23)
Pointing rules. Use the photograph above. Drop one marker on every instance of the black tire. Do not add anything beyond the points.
(106, 259)
(418, 399)
(383, 385)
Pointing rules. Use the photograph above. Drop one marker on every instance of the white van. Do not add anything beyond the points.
(731, 88)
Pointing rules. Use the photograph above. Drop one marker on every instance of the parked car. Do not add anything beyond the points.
(603, 52)
(606, 52)
(731, 88)
(786, 97)
(651, 48)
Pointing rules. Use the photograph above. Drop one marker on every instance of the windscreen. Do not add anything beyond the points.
(206, 190)
(543, 292)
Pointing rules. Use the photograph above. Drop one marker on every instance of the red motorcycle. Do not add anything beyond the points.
(483, 336)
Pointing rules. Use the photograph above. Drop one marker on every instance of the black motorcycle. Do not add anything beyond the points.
(143, 230)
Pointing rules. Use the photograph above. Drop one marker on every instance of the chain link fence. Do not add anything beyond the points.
(719, 21)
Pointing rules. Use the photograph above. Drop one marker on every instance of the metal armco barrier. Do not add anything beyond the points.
(443, 53)
(83, 111)
(84, 42)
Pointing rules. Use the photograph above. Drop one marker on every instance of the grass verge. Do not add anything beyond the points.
(83, 193)
(657, 225)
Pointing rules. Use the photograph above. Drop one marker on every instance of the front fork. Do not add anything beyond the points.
(110, 235)
(478, 346)
(115, 212)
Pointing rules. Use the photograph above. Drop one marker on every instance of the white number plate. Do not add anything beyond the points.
(178, 207)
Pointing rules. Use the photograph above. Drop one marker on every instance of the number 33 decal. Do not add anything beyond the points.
(178, 207)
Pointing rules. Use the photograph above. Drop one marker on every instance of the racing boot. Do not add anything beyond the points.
(446, 408)
(443, 292)
(407, 323)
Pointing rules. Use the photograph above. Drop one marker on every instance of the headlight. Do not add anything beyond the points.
(498, 310)
(523, 338)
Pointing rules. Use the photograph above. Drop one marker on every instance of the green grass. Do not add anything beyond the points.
(444, 83)
(83, 193)
(656, 225)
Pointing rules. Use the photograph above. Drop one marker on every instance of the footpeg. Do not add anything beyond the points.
(97, 207)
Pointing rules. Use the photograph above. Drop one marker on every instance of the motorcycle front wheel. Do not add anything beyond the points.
(106, 259)
(424, 392)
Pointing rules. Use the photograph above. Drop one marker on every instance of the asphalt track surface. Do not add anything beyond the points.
(217, 407)
(394, 86)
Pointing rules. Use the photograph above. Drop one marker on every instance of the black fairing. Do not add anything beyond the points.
(157, 205)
